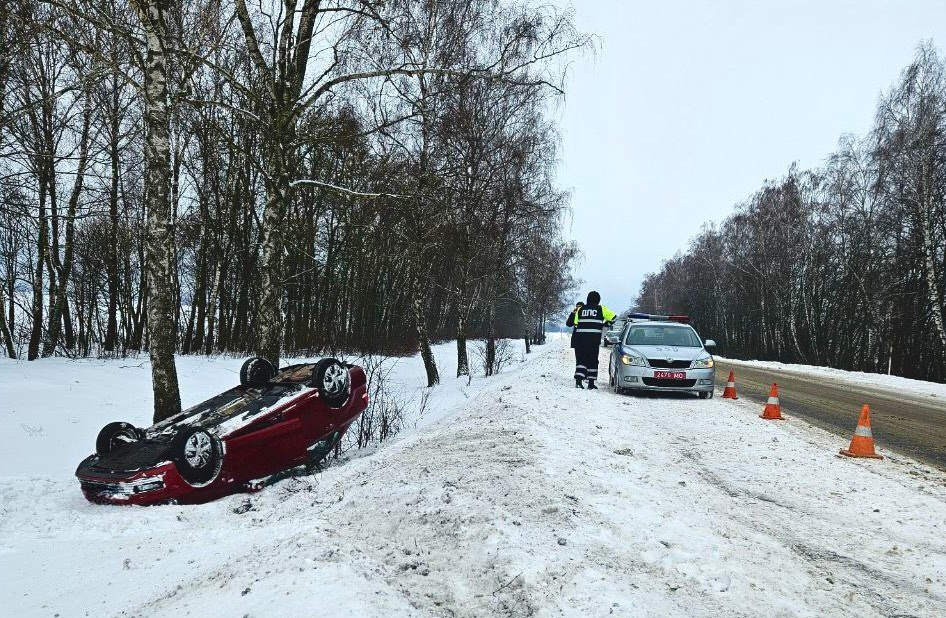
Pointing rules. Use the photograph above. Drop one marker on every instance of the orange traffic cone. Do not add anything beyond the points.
(862, 444)
(772, 411)
(730, 391)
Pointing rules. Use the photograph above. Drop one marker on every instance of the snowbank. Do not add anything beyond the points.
(518, 495)
(856, 378)
(52, 409)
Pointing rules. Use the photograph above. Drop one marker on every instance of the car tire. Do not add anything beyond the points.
(256, 372)
(705, 395)
(333, 380)
(114, 435)
(197, 454)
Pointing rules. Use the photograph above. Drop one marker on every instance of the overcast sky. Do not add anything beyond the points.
(689, 105)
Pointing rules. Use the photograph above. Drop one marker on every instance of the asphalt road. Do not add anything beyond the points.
(911, 425)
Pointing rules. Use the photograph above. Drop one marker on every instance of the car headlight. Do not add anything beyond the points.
(635, 361)
(702, 363)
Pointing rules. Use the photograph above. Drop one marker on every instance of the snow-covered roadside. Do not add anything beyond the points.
(854, 378)
(526, 497)
(52, 409)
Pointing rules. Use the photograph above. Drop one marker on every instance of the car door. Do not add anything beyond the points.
(272, 444)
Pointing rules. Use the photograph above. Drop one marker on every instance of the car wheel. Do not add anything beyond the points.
(333, 380)
(115, 435)
(257, 372)
(198, 455)
(705, 395)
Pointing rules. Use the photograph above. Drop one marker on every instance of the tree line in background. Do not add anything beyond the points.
(844, 265)
(295, 175)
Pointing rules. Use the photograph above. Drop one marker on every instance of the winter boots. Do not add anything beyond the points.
(591, 384)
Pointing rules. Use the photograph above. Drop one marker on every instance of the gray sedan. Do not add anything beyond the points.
(661, 357)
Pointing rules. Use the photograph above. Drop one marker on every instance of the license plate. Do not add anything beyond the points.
(670, 375)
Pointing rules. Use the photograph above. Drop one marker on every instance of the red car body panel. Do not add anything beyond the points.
(272, 441)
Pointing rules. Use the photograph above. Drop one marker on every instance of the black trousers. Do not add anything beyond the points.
(586, 356)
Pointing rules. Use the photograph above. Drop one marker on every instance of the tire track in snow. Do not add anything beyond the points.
(856, 573)
(748, 516)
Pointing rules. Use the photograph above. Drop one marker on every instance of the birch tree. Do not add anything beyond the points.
(862, 286)
(912, 146)
(162, 335)
(293, 202)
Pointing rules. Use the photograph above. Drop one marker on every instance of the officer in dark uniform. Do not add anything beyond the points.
(571, 322)
(589, 320)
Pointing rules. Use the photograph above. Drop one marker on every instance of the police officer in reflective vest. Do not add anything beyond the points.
(589, 320)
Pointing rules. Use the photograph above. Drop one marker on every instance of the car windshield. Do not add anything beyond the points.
(653, 334)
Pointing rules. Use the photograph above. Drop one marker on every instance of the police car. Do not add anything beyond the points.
(660, 353)
(611, 335)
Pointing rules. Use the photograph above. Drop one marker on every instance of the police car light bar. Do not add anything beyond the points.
(683, 319)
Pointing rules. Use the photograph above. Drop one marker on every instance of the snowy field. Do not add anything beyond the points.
(860, 379)
(517, 495)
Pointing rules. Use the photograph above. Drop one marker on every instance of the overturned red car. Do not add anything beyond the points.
(271, 423)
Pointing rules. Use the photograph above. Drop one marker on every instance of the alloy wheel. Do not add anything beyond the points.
(197, 450)
(335, 380)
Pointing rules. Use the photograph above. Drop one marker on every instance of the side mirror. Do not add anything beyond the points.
(710, 343)
(611, 338)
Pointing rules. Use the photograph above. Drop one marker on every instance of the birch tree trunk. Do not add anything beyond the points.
(463, 357)
(269, 317)
(418, 302)
(929, 250)
(161, 312)
(32, 352)
(111, 258)
(5, 330)
(463, 313)
(491, 339)
(527, 326)
(6, 324)
(419, 289)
